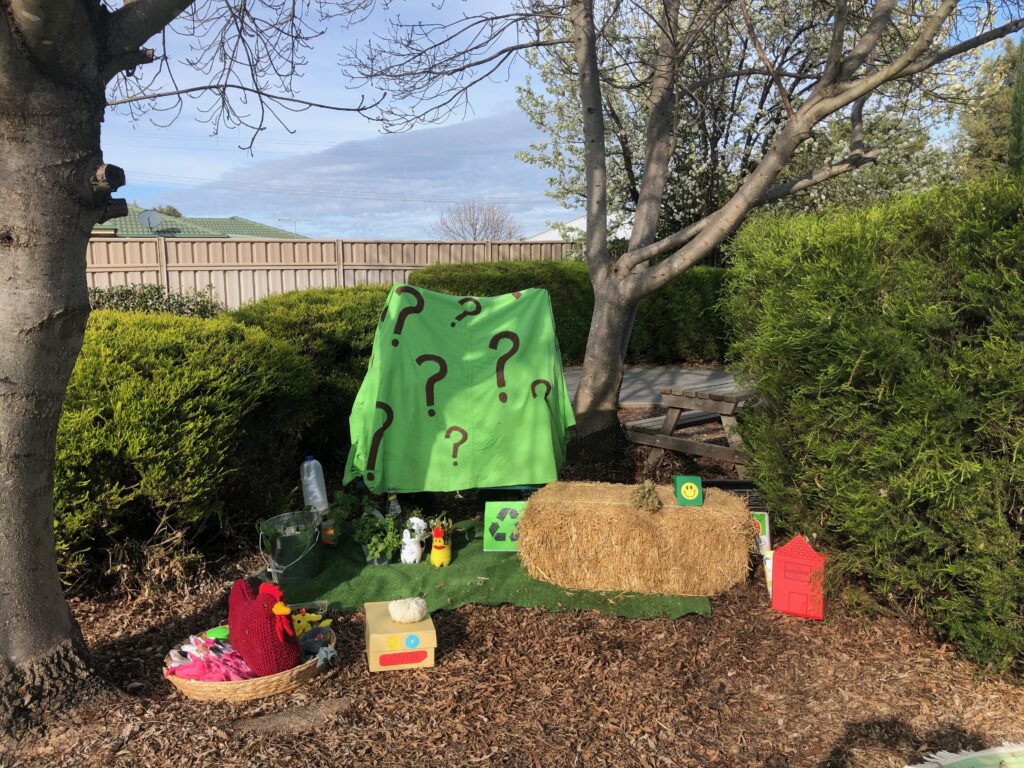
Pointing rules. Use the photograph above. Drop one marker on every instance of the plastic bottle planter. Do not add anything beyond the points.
(440, 549)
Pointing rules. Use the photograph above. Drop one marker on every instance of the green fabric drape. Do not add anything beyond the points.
(461, 392)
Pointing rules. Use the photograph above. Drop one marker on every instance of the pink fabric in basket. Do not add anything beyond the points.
(219, 666)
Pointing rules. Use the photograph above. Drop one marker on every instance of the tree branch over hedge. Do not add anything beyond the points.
(249, 54)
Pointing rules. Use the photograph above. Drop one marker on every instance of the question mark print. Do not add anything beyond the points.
(442, 371)
(504, 358)
(457, 444)
(389, 416)
(533, 388)
(412, 309)
(467, 313)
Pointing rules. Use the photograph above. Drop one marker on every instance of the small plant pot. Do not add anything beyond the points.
(296, 551)
(382, 560)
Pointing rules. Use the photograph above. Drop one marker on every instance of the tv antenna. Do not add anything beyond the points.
(150, 219)
(294, 222)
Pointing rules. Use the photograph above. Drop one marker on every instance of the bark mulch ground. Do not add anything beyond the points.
(519, 687)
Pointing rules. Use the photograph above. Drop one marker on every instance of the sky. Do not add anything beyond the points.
(338, 175)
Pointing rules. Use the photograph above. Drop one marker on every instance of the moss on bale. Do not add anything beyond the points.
(590, 536)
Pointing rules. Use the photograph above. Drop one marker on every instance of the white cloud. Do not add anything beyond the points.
(391, 186)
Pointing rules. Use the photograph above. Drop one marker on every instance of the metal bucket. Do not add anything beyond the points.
(297, 552)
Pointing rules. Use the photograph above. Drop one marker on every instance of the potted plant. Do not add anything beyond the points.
(344, 506)
(378, 535)
(291, 545)
(444, 522)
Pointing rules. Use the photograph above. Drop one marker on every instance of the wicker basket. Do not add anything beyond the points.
(254, 688)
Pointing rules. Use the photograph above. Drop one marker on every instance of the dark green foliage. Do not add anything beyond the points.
(887, 347)
(679, 323)
(333, 329)
(175, 424)
(379, 534)
(153, 298)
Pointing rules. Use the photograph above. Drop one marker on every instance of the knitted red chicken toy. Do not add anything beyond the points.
(260, 627)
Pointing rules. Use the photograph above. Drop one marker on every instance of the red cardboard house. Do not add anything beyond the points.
(798, 574)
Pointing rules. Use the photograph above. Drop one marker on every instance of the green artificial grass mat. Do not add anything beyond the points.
(474, 577)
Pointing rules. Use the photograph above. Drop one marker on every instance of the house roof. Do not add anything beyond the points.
(798, 548)
(190, 226)
(618, 231)
(236, 226)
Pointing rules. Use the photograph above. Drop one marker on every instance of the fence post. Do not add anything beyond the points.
(490, 250)
(341, 263)
(161, 260)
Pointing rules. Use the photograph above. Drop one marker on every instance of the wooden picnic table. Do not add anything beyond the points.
(688, 407)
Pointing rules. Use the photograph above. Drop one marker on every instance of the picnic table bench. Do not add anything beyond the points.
(689, 407)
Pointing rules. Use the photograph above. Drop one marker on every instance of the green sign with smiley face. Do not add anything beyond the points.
(689, 490)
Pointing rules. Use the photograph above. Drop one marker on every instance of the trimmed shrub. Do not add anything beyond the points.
(153, 298)
(333, 329)
(174, 424)
(887, 346)
(680, 323)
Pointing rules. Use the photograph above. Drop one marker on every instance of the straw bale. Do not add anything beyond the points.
(589, 536)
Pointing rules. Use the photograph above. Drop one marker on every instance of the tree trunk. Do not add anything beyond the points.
(597, 399)
(50, 138)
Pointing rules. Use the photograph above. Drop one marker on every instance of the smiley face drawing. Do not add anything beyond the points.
(688, 490)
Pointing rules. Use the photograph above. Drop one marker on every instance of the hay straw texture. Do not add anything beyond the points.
(589, 536)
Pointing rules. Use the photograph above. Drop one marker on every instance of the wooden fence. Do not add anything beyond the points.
(241, 271)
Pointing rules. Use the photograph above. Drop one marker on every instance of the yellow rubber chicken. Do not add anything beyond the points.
(302, 622)
(440, 553)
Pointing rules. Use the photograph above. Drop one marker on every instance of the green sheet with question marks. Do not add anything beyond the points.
(461, 392)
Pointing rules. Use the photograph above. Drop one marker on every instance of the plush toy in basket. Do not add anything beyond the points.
(260, 627)
(262, 654)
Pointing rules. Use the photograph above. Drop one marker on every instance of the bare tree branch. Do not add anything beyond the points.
(881, 18)
(594, 155)
(138, 20)
(303, 103)
(628, 160)
(249, 53)
(783, 96)
(799, 184)
(854, 89)
(660, 139)
(952, 51)
(835, 49)
(476, 222)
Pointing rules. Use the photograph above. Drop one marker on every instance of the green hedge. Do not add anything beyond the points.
(679, 323)
(887, 347)
(155, 298)
(176, 424)
(332, 328)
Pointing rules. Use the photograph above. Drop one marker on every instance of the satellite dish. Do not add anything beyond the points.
(149, 219)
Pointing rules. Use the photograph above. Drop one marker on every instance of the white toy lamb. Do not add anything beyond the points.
(414, 539)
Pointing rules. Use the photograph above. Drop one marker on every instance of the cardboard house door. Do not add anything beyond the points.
(798, 603)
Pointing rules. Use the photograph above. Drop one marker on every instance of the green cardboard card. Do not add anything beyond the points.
(764, 533)
(501, 525)
(689, 490)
